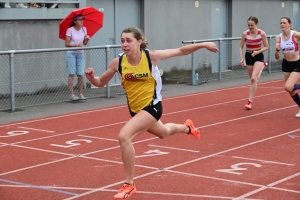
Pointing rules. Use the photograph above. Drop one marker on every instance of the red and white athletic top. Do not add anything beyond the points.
(253, 43)
(288, 46)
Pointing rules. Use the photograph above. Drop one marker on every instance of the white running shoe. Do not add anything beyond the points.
(20, 5)
(81, 97)
(6, 5)
(298, 114)
(74, 97)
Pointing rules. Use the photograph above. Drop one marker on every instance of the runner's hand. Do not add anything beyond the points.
(211, 46)
(242, 63)
(89, 73)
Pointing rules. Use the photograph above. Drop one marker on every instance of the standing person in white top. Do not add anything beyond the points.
(287, 41)
(254, 38)
(76, 36)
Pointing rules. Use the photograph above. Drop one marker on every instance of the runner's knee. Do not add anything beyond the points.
(254, 79)
(288, 88)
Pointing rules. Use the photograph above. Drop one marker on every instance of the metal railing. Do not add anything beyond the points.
(225, 64)
(36, 77)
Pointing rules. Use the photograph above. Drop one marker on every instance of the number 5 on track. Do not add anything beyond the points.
(236, 167)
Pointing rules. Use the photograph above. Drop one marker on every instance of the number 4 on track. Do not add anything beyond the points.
(155, 152)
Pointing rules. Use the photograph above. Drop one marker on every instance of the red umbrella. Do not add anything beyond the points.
(93, 21)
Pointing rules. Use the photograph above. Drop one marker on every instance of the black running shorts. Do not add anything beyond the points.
(154, 110)
(251, 60)
(290, 66)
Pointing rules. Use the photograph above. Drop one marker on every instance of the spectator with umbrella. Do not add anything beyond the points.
(71, 30)
(76, 36)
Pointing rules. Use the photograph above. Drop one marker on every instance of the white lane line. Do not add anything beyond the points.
(140, 141)
(231, 181)
(284, 179)
(248, 116)
(177, 194)
(273, 87)
(35, 129)
(232, 149)
(152, 145)
(51, 187)
(188, 195)
(107, 125)
(122, 106)
(3, 145)
(264, 161)
(77, 131)
(117, 162)
(268, 187)
(111, 185)
(87, 136)
(225, 102)
(184, 163)
(34, 166)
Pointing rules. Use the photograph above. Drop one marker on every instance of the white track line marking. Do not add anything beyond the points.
(34, 129)
(74, 156)
(232, 149)
(235, 119)
(188, 195)
(140, 141)
(118, 162)
(34, 166)
(216, 104)
(152, 145)
(51, 187)
(177, 194)
(77, 131)
(107, 125)
(232, 181)
(264, 161)
(272, 87)
(185, 163)
(3, 145)
(111, 185)
(87, 136)
(122, 106)
(268, 187)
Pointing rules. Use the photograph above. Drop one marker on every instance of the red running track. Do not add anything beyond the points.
(241, 154)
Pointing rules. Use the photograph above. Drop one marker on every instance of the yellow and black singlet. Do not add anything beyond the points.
(142, 83)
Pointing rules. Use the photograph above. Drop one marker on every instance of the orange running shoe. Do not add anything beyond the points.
(248, 105)
(126, 191)
(195, 132)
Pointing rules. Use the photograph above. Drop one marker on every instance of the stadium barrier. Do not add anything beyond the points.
(39, 76)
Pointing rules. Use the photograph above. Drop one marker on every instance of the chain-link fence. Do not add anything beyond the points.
(225, 64)
(36, 77)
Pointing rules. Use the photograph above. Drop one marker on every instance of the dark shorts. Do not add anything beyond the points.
(290, 66)
(251, 60)
(154, 110)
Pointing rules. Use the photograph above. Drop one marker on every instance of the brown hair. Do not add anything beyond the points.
(138, 34)
(289, 21)
(253, 18)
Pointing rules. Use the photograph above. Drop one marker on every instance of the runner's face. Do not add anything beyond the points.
(252, 26)
(129, 43)
(284, 24)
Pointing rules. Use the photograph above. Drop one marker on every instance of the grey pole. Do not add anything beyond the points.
(193, 67)
(219, 58)
(269, 56)
(106, 63)
(12, 85)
